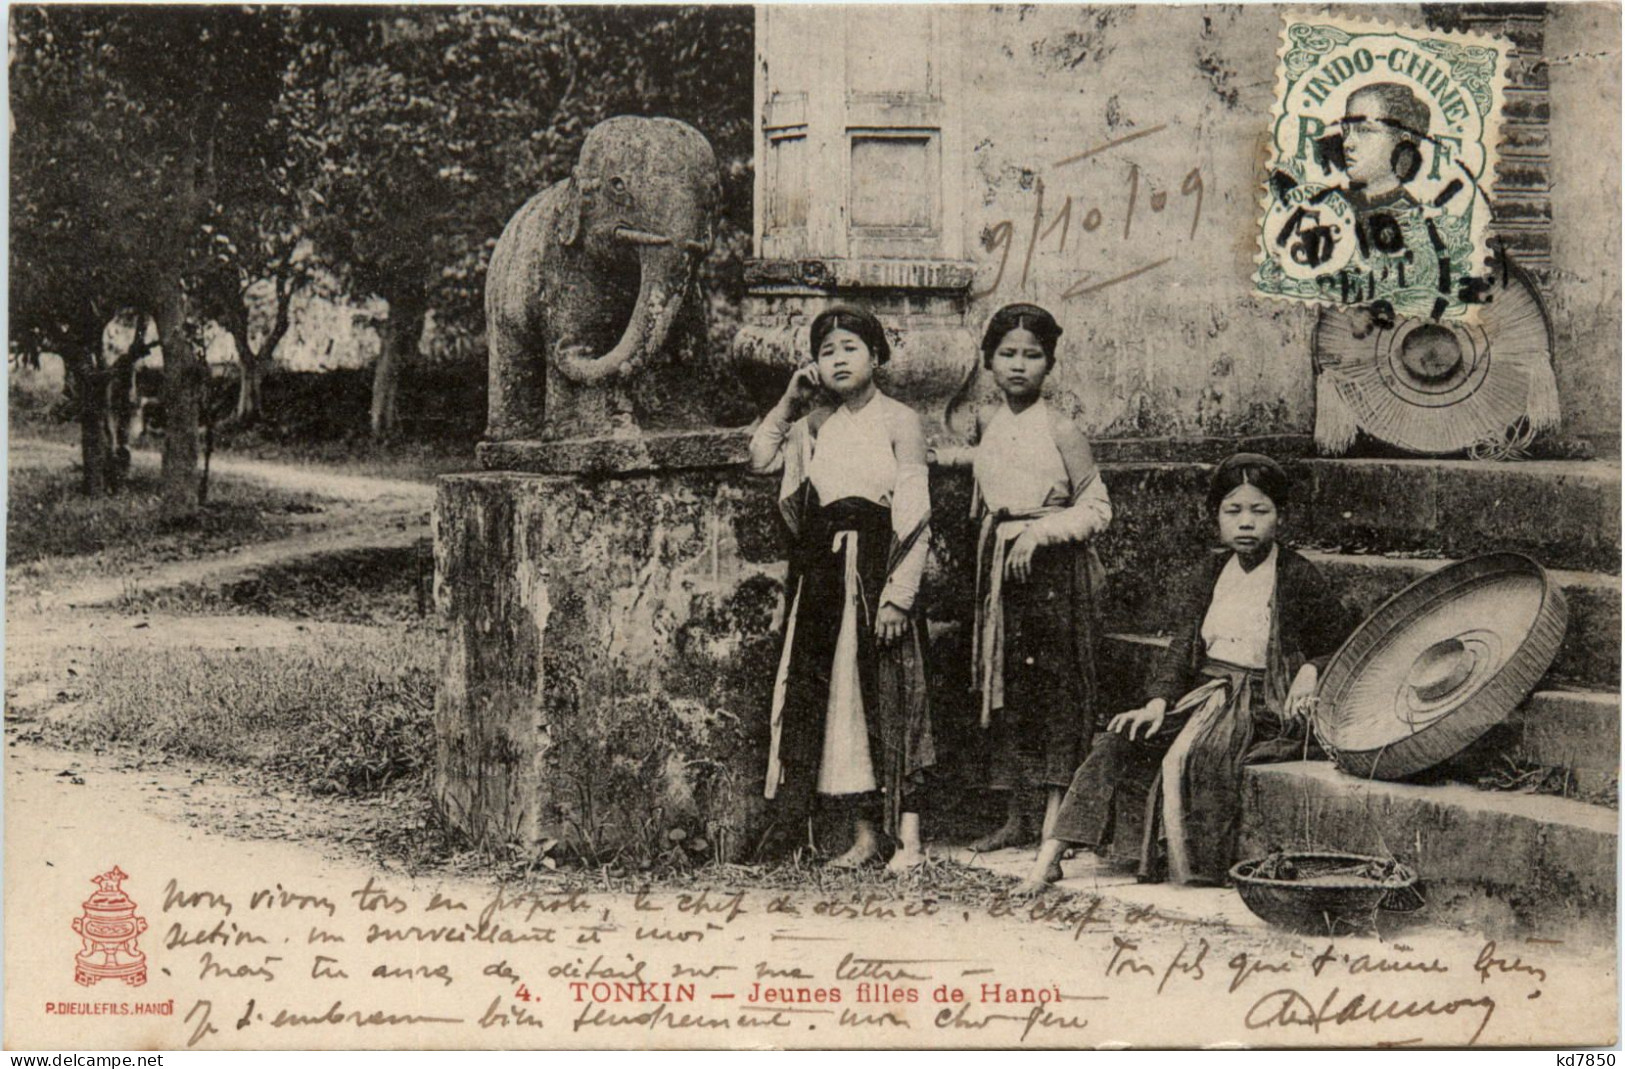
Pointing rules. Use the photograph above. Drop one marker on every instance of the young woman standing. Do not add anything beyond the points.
(850, 721)
(1038, 579)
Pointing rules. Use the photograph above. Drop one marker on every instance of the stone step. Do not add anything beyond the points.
(1565, 514)
(1574, 730)
(1591, 648)
(1493, 860)
(1577, 730)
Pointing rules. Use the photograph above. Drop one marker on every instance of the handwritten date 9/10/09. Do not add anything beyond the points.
(1138, 201)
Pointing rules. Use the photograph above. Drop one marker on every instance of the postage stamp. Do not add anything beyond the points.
(1382, 153)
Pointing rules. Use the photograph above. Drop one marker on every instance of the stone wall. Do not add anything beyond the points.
(1583, 64)
(1055, 120)
(1183, 348)
(609, 658)
(612, 642)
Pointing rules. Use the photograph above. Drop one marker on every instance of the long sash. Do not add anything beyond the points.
(775, 771)
(844, 673)
(1204, 703)
(844, 684)
(847, 766)
(998, 531)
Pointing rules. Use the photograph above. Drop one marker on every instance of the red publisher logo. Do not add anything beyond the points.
(110, 929)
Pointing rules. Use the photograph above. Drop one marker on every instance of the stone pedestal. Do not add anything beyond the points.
(609, 659)
(612, 639)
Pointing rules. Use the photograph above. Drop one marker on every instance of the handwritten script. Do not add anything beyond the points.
(386, 962)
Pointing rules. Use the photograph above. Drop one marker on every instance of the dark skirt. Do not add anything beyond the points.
(1121, 773)
(1051, 633)
(891, 680)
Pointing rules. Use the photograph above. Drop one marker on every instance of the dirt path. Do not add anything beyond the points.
(309, 478)
(51, 628)
(368, 513)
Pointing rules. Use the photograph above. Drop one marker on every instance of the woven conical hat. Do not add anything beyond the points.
(1439, 664)
(1439, 388)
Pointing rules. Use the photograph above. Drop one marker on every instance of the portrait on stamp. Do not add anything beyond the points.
(1383, 154)
(905, 526)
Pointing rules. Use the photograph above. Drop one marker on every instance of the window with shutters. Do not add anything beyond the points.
(857, 144)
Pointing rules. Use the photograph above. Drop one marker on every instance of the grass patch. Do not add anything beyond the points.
(349, 716)
(368, 586)
(48, 516)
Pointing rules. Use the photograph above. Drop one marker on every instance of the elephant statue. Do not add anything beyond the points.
(595, 315)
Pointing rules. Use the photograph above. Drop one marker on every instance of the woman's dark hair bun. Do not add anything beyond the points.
(1254, 469)
(1027, 317)
(859, 322)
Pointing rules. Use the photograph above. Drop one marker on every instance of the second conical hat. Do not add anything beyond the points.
(1436, 387)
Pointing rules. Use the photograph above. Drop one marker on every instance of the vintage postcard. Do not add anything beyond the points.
(813, 526)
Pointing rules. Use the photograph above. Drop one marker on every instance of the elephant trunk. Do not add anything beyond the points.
(663, 286)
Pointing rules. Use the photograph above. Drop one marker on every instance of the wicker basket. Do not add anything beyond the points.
(1327, 895)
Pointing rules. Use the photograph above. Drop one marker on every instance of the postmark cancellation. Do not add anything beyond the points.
(1382, 153)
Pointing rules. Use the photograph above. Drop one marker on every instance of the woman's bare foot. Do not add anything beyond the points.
(863, 849)
(909, 851)
(905, 858)
(1013, 832)
(1045, 871)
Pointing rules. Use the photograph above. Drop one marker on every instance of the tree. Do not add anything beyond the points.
(387, 145)
(252, 299)
(425, 129)
(134, 128)
(75, 233)
(405, 118)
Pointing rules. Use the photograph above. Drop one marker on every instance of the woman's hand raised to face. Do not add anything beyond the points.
(890, 624)
(803, 388)
(1150, 716)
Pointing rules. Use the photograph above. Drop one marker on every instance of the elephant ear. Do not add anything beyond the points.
(568, 213)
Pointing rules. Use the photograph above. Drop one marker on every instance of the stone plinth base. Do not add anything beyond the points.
(619, 455)
(609, 660)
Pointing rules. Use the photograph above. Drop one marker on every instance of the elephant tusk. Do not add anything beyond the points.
(640, 237)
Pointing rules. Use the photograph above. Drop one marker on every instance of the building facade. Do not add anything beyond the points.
(938, 162)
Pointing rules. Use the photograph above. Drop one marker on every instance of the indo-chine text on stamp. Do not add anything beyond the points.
(1382, 153)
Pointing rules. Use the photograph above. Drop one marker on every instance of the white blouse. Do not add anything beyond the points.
(853, 456)
(1236, 628)
(1018, 466)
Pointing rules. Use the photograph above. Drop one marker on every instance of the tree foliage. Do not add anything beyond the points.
(427, 128)
(133, 129)
(172, 159)
(424, 129)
